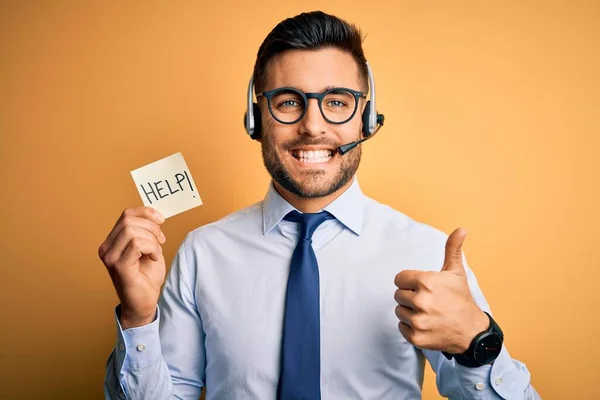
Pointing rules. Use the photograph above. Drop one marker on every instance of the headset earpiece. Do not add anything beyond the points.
(256, 134)
(252, 121)
(257, 122)
(365, 119)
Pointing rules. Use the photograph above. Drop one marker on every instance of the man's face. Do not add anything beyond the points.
(303, 157)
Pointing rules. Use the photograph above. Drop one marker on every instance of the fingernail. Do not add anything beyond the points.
(159, 217)
(163, 237)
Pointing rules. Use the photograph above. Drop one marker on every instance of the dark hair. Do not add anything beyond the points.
(310, 31)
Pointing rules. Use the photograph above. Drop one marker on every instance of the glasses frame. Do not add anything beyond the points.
(311, 95)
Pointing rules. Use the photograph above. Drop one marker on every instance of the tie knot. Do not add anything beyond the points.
(309, 222)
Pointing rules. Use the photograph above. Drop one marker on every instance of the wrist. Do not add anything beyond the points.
(480, 323)
(485, 347)
(129, 319)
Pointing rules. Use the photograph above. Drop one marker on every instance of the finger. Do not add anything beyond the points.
(129, 226)
(136, 249)
(126, 236)
(142, 212)
(408, 279)
(453, 256)
(148, 213)
(405, 314)
(405, 297)
(133, 221)
(406, 331)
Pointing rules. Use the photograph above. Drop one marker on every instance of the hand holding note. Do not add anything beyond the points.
(133, 256)
(132, 251)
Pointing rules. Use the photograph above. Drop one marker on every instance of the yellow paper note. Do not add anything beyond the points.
(167, 186)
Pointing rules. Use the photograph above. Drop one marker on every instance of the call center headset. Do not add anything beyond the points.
(372, 121)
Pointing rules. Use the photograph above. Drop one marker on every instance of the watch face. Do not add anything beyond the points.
(487, 349)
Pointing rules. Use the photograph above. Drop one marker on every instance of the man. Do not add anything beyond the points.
(294, 297)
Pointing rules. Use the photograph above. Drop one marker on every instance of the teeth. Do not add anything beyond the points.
(313, 154)
(316, 156)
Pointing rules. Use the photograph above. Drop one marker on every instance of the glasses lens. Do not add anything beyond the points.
(287, 105)
(338, 105)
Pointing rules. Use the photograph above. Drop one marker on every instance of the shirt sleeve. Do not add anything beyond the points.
(164, 359)
(506, 378)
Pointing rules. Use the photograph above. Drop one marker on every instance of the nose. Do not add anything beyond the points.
(313, 123)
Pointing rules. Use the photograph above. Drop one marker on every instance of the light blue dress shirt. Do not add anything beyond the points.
(220, 315)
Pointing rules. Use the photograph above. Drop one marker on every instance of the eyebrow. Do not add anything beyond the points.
(324, 90)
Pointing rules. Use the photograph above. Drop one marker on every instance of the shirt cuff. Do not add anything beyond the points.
(508, 378)
(138, 347)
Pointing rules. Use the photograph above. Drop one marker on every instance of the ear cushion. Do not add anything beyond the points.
(257, 122)
(365, 119)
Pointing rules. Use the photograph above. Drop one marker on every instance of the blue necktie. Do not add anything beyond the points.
(300, 376)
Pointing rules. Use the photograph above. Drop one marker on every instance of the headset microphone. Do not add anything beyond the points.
(349, 146)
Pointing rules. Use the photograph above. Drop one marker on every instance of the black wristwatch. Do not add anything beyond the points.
(484, 348)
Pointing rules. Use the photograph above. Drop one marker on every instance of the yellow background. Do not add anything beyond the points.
(492, 124)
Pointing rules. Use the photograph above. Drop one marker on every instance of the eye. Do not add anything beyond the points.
(288, 103)
(287, 100)
(340, 99)
(336, 103)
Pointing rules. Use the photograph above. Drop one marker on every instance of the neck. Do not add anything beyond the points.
(310, 205)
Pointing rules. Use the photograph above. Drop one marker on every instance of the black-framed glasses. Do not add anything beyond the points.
(288, 105)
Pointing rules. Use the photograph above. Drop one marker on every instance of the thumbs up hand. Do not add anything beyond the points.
(436, 309)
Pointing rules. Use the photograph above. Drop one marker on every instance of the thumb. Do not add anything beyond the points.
(453, 259)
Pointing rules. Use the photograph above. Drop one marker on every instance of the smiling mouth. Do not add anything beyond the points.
(313, 156)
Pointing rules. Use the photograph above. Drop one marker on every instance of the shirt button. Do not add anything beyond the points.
(121, 395)
(121, 346)
(141, 347)
(498, 380)
(479, 386)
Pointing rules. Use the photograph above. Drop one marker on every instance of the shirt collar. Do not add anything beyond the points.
(347, 208)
